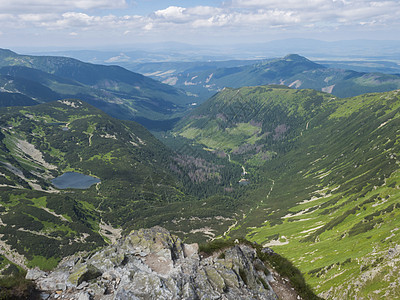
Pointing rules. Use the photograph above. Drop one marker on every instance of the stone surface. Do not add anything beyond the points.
(154, 264)
(83, 296)
(35, 274)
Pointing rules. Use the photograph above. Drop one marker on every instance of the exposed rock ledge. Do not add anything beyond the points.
(153, 264)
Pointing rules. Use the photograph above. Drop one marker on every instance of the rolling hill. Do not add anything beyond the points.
(292, 70)
(117, 91)
(323, 177)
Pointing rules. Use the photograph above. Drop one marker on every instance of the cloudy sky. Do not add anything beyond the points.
(97, 23)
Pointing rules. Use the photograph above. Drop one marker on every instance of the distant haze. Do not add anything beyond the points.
(129, 56)
(114, 23)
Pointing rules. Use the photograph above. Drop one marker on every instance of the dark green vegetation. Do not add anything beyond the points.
(29, 80)
(323, 179)
(13, 284)
(139, 182)
(292, 70)
(16, 287)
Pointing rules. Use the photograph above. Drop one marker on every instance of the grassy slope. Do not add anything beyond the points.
(331, 188)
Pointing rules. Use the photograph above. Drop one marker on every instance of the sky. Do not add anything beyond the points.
(89, 24)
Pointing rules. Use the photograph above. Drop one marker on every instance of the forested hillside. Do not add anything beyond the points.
(292, 70)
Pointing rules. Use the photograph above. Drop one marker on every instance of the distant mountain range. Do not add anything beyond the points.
(127, 56)
(28, 80)
(292, 70)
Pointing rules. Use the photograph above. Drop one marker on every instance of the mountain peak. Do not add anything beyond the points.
(6, 52)
(298, 60)
(295, 57)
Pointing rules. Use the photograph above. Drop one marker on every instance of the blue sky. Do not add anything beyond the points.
(97, 23)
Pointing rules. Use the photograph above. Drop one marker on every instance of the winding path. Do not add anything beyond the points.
(251, 209)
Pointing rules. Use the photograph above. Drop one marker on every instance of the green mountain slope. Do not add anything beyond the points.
(41, 142)
(119, 92)
(139, 185)
(322, 175)
(28, 83)
(292, 70)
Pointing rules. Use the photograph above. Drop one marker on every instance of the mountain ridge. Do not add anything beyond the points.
(119, 92)
(166, 268)
(292, 70)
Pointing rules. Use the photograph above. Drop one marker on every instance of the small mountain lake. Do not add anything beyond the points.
(73, 180)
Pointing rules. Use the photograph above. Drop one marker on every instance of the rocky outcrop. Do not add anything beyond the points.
(153, 264)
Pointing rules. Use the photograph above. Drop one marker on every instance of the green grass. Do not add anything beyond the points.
(228, 140)
(43, 263)
(339, 153)
(333, 246)
(107, 157)
(40, 202)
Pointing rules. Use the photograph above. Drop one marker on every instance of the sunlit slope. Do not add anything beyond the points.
(115, 90)
(292, 70)
(324, 178)
(43, 224)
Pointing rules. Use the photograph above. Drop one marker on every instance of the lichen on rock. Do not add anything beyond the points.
(154, 264)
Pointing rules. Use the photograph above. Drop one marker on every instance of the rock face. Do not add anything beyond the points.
(153, 264)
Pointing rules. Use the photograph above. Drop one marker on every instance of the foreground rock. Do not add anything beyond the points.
(153, 264)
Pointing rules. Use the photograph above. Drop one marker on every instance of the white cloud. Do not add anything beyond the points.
(277, 3)
(33, 18)
(262, 13)
(203, 10)
(40, 6)
(251, 16)
(171, 12)
(327, 11)
(148, 27)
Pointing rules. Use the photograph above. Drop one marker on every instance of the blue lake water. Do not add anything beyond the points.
(74, 180)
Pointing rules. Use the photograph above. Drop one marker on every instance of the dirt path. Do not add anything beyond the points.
(90, 139)
(113, 234)
(269, 193)
(244, 171)
(251, 209)
(230, 228)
